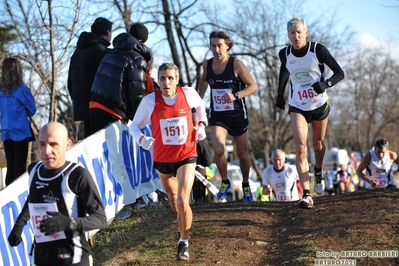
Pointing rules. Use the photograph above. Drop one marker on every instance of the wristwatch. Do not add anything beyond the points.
(329, 83)
(236, 96)
(73, 224)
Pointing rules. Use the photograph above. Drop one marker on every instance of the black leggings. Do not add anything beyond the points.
(16, 155)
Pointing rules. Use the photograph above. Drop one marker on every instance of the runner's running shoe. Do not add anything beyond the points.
(247, 194)
(306, 202)
(222, 194)
(182, 251)
(319, 185)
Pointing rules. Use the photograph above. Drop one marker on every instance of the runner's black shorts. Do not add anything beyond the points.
(235, 126)
(171, 168)
(318, 114)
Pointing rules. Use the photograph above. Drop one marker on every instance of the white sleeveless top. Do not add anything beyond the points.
(380, 170)
(304, 71)
(283, 183)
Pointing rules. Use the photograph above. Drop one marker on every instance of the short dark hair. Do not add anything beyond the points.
(222, 35)
(381, 143)
(101, 26)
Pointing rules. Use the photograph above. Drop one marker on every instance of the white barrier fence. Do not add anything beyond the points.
(121, 169)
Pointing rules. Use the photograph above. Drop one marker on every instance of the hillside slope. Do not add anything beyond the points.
(269, 233)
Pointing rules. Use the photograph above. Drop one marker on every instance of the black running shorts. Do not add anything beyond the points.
(318, 114)
(171, 168)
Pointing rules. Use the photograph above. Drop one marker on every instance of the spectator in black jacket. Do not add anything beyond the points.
(119, 84)
(140, 32)
(91, 48)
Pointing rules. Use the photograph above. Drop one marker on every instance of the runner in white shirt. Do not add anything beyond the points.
(344, 178)
(332, 184)
(378, 164)
(303, 66)
(281, 179)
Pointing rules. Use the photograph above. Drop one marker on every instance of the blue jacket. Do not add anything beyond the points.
(15, 109)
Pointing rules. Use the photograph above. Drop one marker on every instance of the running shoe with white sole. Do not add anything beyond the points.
(306, 202)
(319, 184)
(182, 251)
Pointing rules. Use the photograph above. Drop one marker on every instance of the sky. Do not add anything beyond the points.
(374, 21)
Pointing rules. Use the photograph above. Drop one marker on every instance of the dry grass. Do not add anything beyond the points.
(270, 233)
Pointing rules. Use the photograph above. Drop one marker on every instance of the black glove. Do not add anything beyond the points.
(57, 223)
(280, 103)
(15, 236)
(319, 87)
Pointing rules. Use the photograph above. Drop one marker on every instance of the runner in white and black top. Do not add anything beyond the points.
(376, 166)
(230, 82)
(280, 178)
(303, 64)
(63, 204)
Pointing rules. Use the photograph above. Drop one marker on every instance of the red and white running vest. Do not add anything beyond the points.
(173, 130)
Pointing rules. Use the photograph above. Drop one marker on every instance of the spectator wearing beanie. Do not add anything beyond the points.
(113, 98)
(139, 31)
(90, 50)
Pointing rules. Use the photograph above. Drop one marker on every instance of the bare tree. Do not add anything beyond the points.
(184, 35)
(181, 29)
(368, 108)
(259, 33)
(6, 36)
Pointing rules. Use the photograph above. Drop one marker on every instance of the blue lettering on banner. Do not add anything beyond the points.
(98, 176)
(143, 172)
(153, 172)
(11, 207)
(117, 187)
(82, 161)
(98, 173)
(128, 159)
(3, 248)
(149, 163)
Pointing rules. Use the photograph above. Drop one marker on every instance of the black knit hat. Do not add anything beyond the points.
(139, 31)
